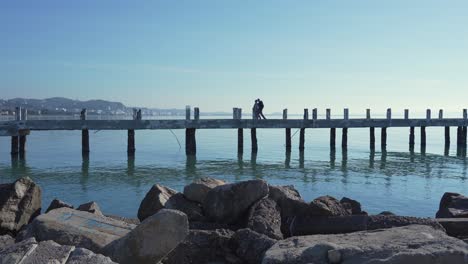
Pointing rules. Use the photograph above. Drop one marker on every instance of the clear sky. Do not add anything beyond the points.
(223, 54)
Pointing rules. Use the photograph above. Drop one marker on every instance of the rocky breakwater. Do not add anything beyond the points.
(212, 221)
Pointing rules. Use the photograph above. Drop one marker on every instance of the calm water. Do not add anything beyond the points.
(403, 182)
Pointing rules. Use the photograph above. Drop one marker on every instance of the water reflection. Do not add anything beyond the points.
(371, 159)
(190, 166)
(287, 161)
(332, 158)
(301, 159)
(344, 159)
(131, 165)
(383, 160)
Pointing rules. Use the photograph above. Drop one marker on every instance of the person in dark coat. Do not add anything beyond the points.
(260, 109)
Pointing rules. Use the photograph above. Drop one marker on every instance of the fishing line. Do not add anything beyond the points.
(178, 142)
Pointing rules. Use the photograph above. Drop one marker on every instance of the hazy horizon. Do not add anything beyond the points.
(218, 55)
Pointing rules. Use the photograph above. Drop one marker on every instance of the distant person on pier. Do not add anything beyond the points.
(255, 110)
(260, 109)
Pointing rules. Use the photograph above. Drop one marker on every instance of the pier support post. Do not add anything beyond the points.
(301, 139)
(240, 132)
(131, 142)
(447, 137)
(459, 136)
(84, 134)
(332, 137)
(190, 142)
(14, 145)
(372, 138)
(288, 132)
(383, 138)
(344, 138)
(411, 137)
(464, 132)
(423, 137)
(253, 138)
(22, 138)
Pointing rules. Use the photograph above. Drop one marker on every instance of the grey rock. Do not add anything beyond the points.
(6, 241)
(353, 207)
(251, 246)
(265, 218)
(20, 202)
(132, 221)
(281, 193)
(192, 209)
(203, 246)
(228, 203)
(386, 213)
(198, 189)
(154, 201)
(90, 207)
(290, 203)
(48, 252)
(78, 228)
(197, 225)
(311, 225)
(409, 244)
(389, 221)
(56, 203)
(453, 205)
(151, 240)
(456, 227)
(85, 256)
(17, 252)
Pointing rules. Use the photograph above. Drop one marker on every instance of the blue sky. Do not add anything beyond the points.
(223, 54)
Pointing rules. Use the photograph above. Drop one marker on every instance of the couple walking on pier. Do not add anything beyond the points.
(258, 109)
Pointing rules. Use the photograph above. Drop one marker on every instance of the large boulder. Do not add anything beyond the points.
(228, 203)
(154, 201)
(5, 241)
(409, 244)
(56, 203)
(85, 256)
(453, 205)
(192, 209)
(353, 207)
(77, 228)
(20, 202)
(389, 221)
(281, 193)
(203, 246)
(151, 240)
(290, 202)
(17, 252)
(265, 218)
(328, 205)
(198, 189)
(250, 246)
(91, 207)
(48, 252)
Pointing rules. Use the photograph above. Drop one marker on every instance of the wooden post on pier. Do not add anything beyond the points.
(371, 131)
(131, 136)
(253, 138)
(84, 134)
(196, 113)
(15, 139)
(22, 137)
(332, 138)
(240, 132)
(459, 136)
(302, 132)
(288, 132)
(411, 137)
(328, 114)
(447, 137)
(314, 114)
(190, 141)
(383, 138)
(344, 138)
(423, 137)
(464, 132)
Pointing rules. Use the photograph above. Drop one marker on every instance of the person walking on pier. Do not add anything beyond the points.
(260, 109)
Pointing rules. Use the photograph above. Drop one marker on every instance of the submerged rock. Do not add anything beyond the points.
(20, 202)
(228, 203)
(198, 189)
(409, 244)
(154, 201)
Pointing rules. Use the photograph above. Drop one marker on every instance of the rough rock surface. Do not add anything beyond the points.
(133, 221)
(20, 202)
(91, 207)
(280, 193)
(31, 252)
(388, 221)
(192, 209)
(151, 240)
(49, 252)
(154, 201)
(228, 203)
(250, 245)
(453, 205)
(56, 203)
(409, 244)
(85, 256)
(290, 203)
(265, 218)
(203, 246)
(72, 227)
(6, 241)
(353, 207)
(198, 189)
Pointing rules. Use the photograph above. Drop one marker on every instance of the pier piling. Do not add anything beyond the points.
(253, 138)
(22, 137)
(411, 137)
(423, 137)
(302, 132)
(383, 138)
(190, 142)
(372, 138)
(447, 137)
(288, 132)
(332, 138)
(84, 134)
(344, 138)
(240, 131)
